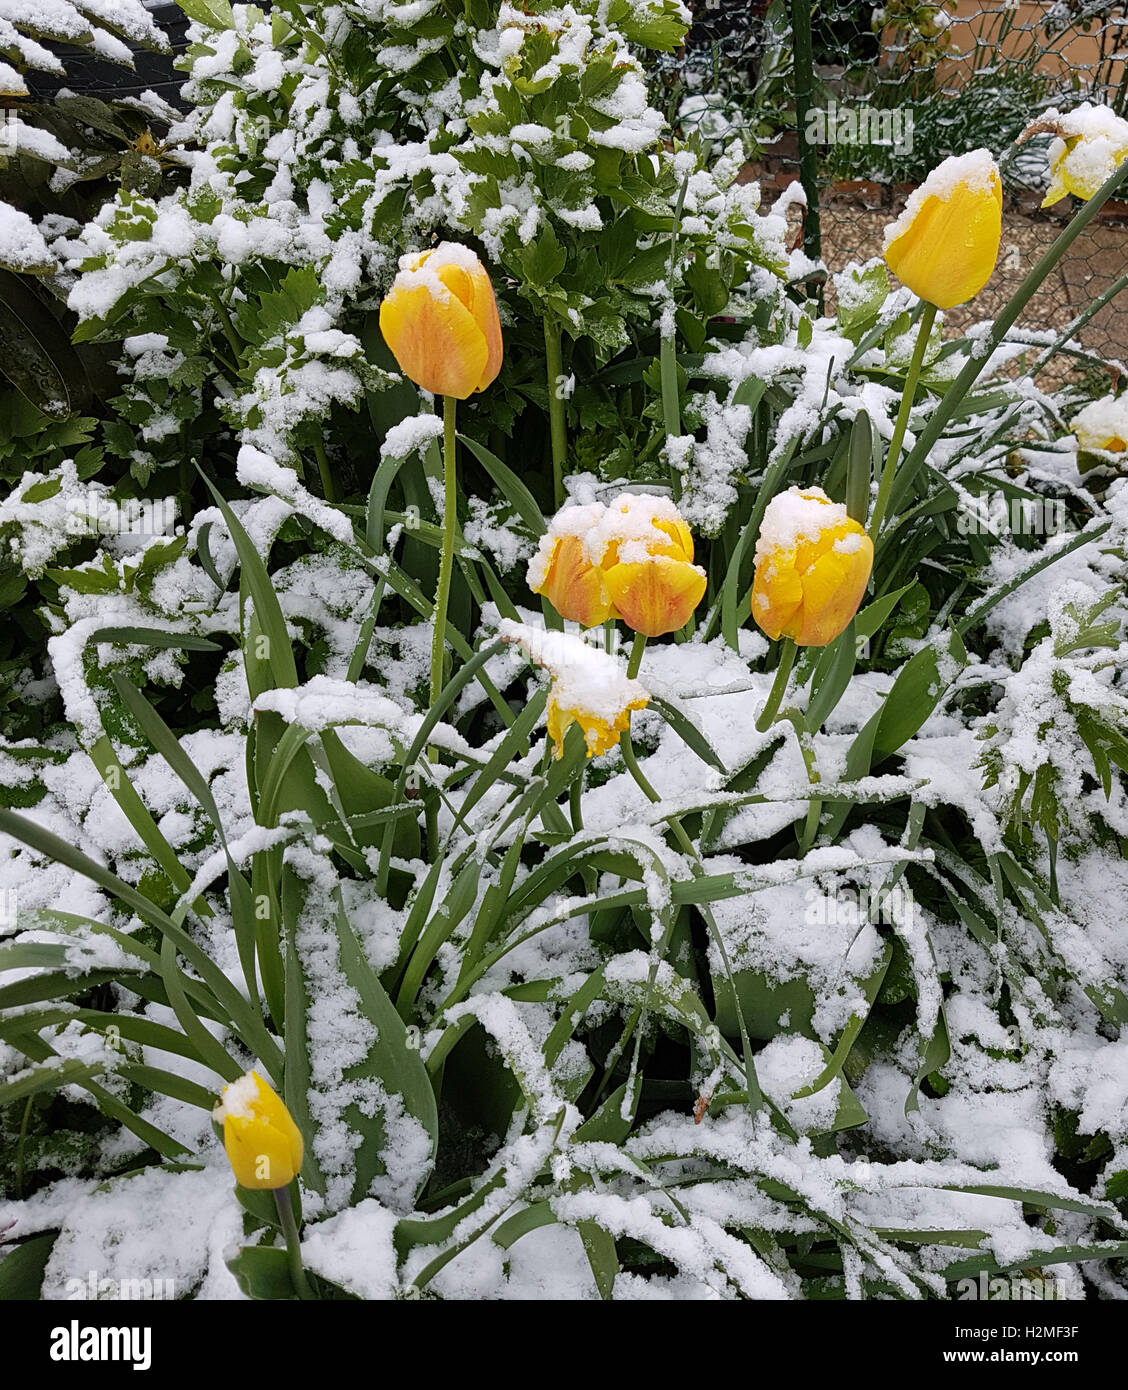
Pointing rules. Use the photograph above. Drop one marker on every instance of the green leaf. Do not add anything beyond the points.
(394, 1060)
(21, 1271)
(213, 14)
(544, 258)
(512, 488)
(862, 291)
(656, 24)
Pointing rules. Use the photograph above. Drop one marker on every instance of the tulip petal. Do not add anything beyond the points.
(655, 596)
(600, 734)
(436, 342)
(573, 585)
(809, 591)
(945, 251)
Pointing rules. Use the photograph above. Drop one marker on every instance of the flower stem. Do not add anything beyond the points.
(637, 650)
(889, 472)
(779, 686)
(293, 1242)
(558, 428)
(446, 562)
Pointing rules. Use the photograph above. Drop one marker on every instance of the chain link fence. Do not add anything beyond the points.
(894, 89)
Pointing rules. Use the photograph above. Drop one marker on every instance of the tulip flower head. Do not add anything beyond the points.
(945, 244)
(589, 686)
(1103, 425)
(632, 560)
(441, 323)
(263, 1143)
(813, 562)
(1090, 144)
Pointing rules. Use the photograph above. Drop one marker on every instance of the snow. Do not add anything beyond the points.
(22, 247)
(1103, 424)
(1022, 984)
(583, 676)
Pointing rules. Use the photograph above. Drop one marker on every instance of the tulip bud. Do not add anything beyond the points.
(1091, 144)
(264, 1145)
(441, 323)
(1103, 425)
(813, 562)
(945, 244)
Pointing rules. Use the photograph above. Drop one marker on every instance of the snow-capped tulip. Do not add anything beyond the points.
(813, 562)
(945, 244)
(645, 550)
(441, 323)
(563, 571)
(1090, 144)
(589, 686)
(263, 1143)
(1103, 425)
(601, 727)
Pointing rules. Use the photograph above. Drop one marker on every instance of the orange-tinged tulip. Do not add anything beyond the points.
(440, 320)
(631, 560)
(657, 595)
(1103, 425)
(813, 562)
(646, 552)
(564, 572)
(945, 244)
(264, 1145)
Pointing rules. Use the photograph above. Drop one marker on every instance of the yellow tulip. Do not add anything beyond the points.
(645, 550)
(813, 562)
(1091, 143)
(589, 686)
(1103, 425)
(263, 1143)
(563, 571)
(441, 323)
(945, 244)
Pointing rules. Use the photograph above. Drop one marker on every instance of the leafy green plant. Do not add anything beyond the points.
(714, 1012)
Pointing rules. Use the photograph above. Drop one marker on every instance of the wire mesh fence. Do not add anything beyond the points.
(893, 90)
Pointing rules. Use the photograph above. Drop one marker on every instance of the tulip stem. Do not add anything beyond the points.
(293, 1242)
(635, 660)
(779, 686)
(446, 562)
(889, 472)
(558, 426)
